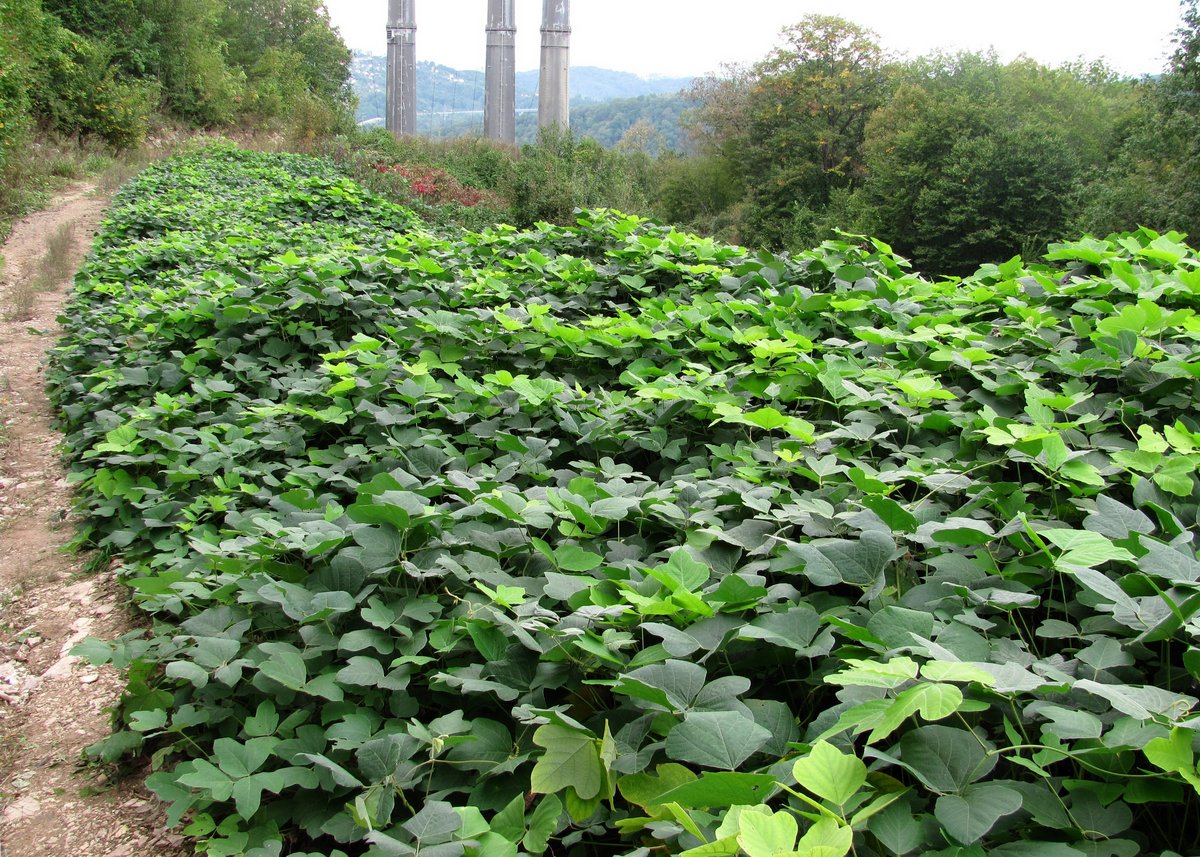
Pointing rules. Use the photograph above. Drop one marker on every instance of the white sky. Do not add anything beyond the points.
(693, 37)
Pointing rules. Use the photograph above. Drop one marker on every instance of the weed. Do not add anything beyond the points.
(57, 263)
(54, 266)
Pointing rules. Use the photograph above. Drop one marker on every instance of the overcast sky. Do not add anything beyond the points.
(692, 37)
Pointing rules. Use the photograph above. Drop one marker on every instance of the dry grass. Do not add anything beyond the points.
(124, 168)
(55, 265)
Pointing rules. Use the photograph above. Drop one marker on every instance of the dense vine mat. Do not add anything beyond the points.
(614, 540)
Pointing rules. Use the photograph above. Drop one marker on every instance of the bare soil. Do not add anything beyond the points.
(53, 705)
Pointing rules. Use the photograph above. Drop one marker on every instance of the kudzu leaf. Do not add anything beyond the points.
(188, 671)
(208, 777)
(247, 796)
(1069, 723)
(715, 739)
(896, 828)
(575, 558)
(826, 838)
(863, 673)
(896, 626)
(1116, 520)
(968, 816)
(148, 720)
(860, 563)
(952, 671)
(1171, 563)
(718, 789)
(680, 682)
(543, 823)
(1140, 701)
(571, 760)
(287, 668)
(762, 835)
(363, 671)
(434, 823)
(378, 758)
(946, 759)
(644, 789)
(931, 701)
(1083, 548)
(1105, 653)
(241, 759)
(793, 629)
(897, 518)
(340, 775)
(829, 773)
(264, 721)
(778, 719)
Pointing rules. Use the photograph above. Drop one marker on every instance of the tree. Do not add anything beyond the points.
(792, 126)
(1184, 78)
(290, 50)
(198, 83)
(974, 159)
(1153, 177)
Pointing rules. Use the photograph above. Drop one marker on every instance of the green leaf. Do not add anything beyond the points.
(543, 824)
(762, 835)
(793, 629)
(967, 817)
(896, 828)
(897, 518)
(287, 668)
(862, 673)
(571, 760)
(436, 821)
(932, 701)
(715, 739)
(859, 563)
(826, 838)
(946, 759)
(1175, 755)
(644, 789)
(716, 790)
(1116, 520)
(829, 773)
(264, 721)
(1083, 548)
(725, 847)
(952, 671)
(575, 558)
(1140, 701)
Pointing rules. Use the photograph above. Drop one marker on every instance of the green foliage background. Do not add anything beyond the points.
(110, 69)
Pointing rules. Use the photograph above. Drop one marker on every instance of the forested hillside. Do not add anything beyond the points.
(649, 123)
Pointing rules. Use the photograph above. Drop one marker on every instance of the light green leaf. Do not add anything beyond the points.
(575, 558)
(826, 838)
(829, 773)
(767, 835)
(1084, 548)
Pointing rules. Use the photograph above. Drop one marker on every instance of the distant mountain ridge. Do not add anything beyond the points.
(443, 91)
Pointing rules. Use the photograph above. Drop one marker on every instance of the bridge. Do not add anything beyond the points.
(500, 77)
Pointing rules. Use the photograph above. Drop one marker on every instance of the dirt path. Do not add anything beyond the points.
(52, 705)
